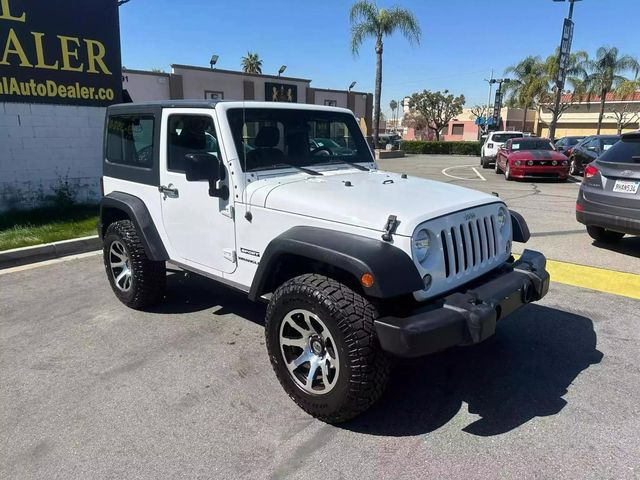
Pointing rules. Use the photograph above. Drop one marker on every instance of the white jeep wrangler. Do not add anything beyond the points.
(358, 265)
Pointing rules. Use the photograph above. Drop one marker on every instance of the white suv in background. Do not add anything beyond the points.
(494, 141)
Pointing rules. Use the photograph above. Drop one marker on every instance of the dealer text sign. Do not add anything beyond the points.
(60, 51)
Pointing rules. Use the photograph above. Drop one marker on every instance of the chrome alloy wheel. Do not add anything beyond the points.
(120, 266)
(309, 352)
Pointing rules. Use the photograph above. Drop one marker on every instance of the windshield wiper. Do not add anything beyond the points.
(297, 167)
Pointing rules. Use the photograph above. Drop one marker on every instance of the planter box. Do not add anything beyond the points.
(384, 154)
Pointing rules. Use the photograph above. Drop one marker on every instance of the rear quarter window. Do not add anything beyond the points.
(130, 140)
(624, 151)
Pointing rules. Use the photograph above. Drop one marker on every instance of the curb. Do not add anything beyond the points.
(48, 251)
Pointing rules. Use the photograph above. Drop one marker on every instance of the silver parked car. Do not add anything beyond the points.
(609, 198)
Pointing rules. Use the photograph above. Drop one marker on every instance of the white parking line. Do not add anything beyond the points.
(478, 173)
(480, 179)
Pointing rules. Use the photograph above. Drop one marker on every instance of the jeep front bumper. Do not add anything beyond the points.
(469, 316)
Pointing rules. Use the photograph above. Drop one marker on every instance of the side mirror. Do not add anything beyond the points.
(201, 167)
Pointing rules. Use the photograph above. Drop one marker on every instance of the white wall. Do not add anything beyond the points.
(323, 95)
(42, 146)
(144, 87)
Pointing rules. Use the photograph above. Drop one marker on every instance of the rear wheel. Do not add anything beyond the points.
(137, 281)
(324, 349)
(485, 162)
(603, 235)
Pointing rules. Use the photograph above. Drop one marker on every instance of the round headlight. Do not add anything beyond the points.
(565, 163)
(517, 163)
(530, 162)
(421, 244)
(502, 218)
(554, 162)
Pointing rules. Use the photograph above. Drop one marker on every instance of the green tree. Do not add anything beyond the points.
(437, 108)
(606, 73)
(369, 21)
(393, 105)
(575, 79)
(251, 63)
(528, 82)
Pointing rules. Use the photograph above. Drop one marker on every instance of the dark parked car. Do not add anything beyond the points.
(565, 144)
(588, 150)
(609, 198)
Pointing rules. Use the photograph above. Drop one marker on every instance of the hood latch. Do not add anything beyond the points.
(390, 228)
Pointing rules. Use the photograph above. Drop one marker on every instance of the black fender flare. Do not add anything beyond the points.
(393, 270)
(135, 209)
(519, 228)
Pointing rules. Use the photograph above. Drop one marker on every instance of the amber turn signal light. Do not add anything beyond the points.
(367, 280)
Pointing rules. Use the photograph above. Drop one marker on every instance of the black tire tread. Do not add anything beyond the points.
(603, 235)
(354, 316)
(150, 276)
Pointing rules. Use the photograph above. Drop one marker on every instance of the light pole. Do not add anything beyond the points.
(563, 58)
(491, 81)
(282, 69)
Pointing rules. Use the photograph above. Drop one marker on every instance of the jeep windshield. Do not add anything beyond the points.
(270, 138)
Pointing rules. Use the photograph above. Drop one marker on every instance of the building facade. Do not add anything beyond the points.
(581, 117)
(192, 82)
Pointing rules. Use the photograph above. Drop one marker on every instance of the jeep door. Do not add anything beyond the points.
(200, 227)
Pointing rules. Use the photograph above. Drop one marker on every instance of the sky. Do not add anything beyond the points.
(462, 40)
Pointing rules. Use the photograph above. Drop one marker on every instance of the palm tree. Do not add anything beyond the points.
(367, 20)
(251, 63)
(528, 83)
(606, 74)
(393, 105)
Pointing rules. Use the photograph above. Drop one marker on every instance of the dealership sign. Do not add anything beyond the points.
(64, 51)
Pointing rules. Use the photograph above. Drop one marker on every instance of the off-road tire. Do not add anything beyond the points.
(364, 367)
(148, 277)
(603, 235)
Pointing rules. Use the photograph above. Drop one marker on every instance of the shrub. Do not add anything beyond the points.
(442, 148)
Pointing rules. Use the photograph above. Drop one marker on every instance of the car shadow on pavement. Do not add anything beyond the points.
(521, 373)
(188, 293)
(627, 246)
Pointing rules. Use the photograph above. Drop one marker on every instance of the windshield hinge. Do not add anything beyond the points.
(390, 228)
(229, 211)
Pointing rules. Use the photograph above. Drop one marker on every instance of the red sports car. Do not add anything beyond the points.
(531, 157)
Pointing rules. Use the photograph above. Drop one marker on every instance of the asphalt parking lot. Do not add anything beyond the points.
(91, 389)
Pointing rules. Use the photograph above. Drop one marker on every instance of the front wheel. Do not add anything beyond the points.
(324, 349)
(497, 168)
(137, 281)
(573, 168)
(603, 235)
(507, 172)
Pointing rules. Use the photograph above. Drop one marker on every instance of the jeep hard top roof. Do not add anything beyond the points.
(161, 104)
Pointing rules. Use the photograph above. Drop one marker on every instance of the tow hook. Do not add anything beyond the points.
(390, 228)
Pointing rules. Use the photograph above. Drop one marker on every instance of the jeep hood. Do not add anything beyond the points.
(364, 199)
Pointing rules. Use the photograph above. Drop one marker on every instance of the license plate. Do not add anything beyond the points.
(624, 186)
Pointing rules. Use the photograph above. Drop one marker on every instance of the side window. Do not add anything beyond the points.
(190, 134)
(130, 140)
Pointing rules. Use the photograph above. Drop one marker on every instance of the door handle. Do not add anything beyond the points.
(169, 191)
